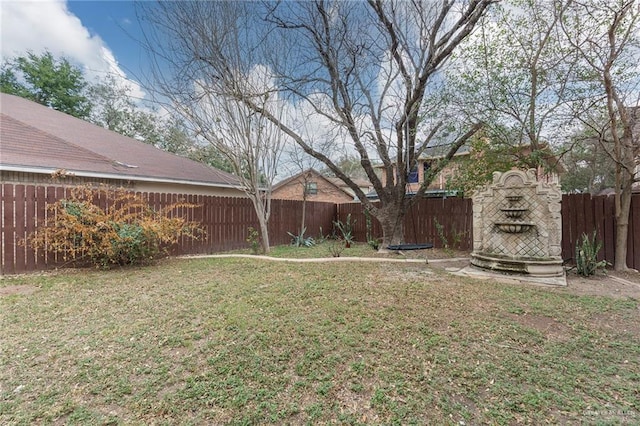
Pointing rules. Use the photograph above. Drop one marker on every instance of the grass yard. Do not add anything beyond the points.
(323, 249)
(247, 341)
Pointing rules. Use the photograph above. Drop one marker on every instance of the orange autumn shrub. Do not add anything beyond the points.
(127, 232)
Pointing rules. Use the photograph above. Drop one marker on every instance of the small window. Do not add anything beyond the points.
(426, 166)
(312, 188)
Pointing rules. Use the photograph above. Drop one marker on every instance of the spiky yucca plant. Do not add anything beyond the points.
(587, 262)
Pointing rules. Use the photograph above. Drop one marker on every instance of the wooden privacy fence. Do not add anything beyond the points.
(453, 216)
(582, 213)
(226, 222)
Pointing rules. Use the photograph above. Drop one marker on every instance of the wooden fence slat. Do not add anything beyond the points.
(30, 226)
(50, 199)
(568, 234)
(8, 230)
(610, 228)
(41, 207)
(589, 220)
(581, 213)
(633, 248)
(599, 219)
(217, 224)
(2, 230)
(212, 238)
(19, 213)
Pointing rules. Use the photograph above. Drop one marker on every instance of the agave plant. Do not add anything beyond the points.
(300, 240)
(346, 229)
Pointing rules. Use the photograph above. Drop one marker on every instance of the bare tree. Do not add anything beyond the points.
(182, 74)
(606, 36)
(251, 144)
(301, 165)
(368, 69)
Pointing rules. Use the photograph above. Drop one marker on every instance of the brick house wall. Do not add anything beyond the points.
(438, 183)
(166, 187)
(320, 189)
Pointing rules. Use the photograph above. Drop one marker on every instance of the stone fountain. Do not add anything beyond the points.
(517, 226)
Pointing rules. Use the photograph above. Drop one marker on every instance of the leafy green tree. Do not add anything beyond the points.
(52, 82)
(9, 82)
(588, 167)
(208, 154)
(174, 138)
(476, 169)
(114, 108)
(514, 74)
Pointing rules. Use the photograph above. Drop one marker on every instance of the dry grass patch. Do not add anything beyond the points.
(244, 341)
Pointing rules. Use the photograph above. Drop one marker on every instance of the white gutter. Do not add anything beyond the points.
(78, 173)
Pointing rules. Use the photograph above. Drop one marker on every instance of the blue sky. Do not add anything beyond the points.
(98, 36)
(116, 24)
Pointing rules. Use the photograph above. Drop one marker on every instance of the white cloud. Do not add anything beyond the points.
(48, 25)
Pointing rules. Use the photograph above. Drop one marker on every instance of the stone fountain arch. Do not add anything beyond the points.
(517, 226)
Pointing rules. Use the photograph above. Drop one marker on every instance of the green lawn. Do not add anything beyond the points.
(247, 341)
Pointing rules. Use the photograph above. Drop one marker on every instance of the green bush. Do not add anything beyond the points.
(133, 245)
(253, 238)
(126, 232)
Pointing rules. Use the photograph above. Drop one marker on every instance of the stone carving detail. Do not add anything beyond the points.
(517, 225)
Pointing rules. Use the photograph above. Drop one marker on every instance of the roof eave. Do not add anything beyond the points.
(81, 173)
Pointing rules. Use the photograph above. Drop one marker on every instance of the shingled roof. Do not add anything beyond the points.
(37, 139)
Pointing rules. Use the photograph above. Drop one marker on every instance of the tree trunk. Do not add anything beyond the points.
(263, 221)
(391, 218)
(623, 209)
(264, 233)
(304, 212)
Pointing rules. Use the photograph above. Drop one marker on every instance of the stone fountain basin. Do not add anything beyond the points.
(513, 212)
(514, 227)
(537, 267)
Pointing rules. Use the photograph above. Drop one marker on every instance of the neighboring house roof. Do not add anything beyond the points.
(38, 139)
(436, 152)
(440, 151)
(362, 183)
(315, 174)
(609, 192)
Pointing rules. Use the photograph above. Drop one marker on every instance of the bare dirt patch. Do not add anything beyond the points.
(431, 254)
(17, 290)
(612, 284)
(549, 327)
